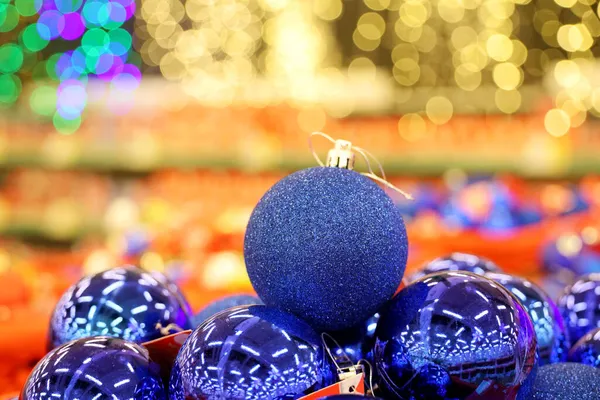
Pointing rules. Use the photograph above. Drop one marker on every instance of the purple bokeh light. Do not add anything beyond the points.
(50, 24)
(74, 26)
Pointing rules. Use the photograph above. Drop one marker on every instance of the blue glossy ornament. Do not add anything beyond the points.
(353, 344)
(569, 251)
(552, 341)
(319, 237)
(566, 381)
(348, 397)
(127, 302)
(223, 304)
(579, 304)
(457, 262)
(587, 349)
(250, 352)
(454, 335)
(95, 368)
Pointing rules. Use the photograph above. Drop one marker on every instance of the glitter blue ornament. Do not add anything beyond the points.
(552, 340)
(250, 352)
(95, 368)
(127, 302)
(566, 381)
(457, 262)
(454, 335)
(587, 349)
(223, 304)
(579, 305)
(321, 237)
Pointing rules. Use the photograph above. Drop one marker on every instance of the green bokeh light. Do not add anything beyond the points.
(26, 8)
(10, 88)
(43, 100)
(95, 42)
(65, 126)
(120, 41)
(135, 59)
(51, 66)
(11, 58)
(9, 18)
(32, 39)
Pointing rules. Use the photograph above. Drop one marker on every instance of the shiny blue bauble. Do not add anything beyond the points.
(223, 304)
(457, 262)
(566, 381)
(95, 368)
(552, 340)
(579, 305)
(353, 344)
(127, 302)
(347, 397)
(320, 237)
(453, 335)
(253, 353)
(587, 349)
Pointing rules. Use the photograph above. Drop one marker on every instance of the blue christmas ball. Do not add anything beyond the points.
(127, 302)
(552, 340)
(566, 381)
(348, 397)
(353, 344)
(587, 349)
(95, 368)
(457, 262)
(453, 335)
(579, 304)
(250, 352)
(223, 304)
(569, 251)
(321, 237)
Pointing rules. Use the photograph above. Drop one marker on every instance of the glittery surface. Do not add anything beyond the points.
(328, 245)
(252, 353)
(454, 335)
(123, 302)
(95, 368)
(587, 349)
(550, 330)
(579, 305)
(223, 304)
(457, 262)
(567, 381)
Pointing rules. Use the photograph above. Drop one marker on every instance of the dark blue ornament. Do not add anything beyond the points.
(579, 305)
(223, 304)
(128, 303)
(95, 368)
(566, 381)
(253, 353)
(353, 344)
(552, 341)
(457, 262)
(347, 397)
(587, 349)
(320, 237)
(454, 335)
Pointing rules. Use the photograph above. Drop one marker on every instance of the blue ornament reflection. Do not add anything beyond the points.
(587, 349)
(549, 326)
(95, 368)
(128, 303)
(354, 344)
(457, 262)
(579, 304)
(250, 352)
(223, 304)
(454, 335)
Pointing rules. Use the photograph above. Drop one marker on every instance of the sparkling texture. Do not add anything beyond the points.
(320, 237)
(95, 368)
(552, 340)
(124, 302)
(253, 353)
(579, 304)
(222, 304)
(457, 262)
(566, 381)
(587, 349)
(454, 335)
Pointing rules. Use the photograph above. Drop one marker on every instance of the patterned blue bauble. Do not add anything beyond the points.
(587, 349)
(566, 381)
(223, 304)
(95, 368)
(552, 341)
(454, 335)
(354, 344)
(457, 262)
(579, 304)
(124, 302)
(320, 237)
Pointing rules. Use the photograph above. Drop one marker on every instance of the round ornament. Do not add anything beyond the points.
(587, 349)
(127, 302)
(579, 304)
(348, 397)
(223, 304)
(354, 344)
(454, 335)
(320, 237)
(552, 341)
(566, 381)
(95, 368)
(457, 262)
(250, 352)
